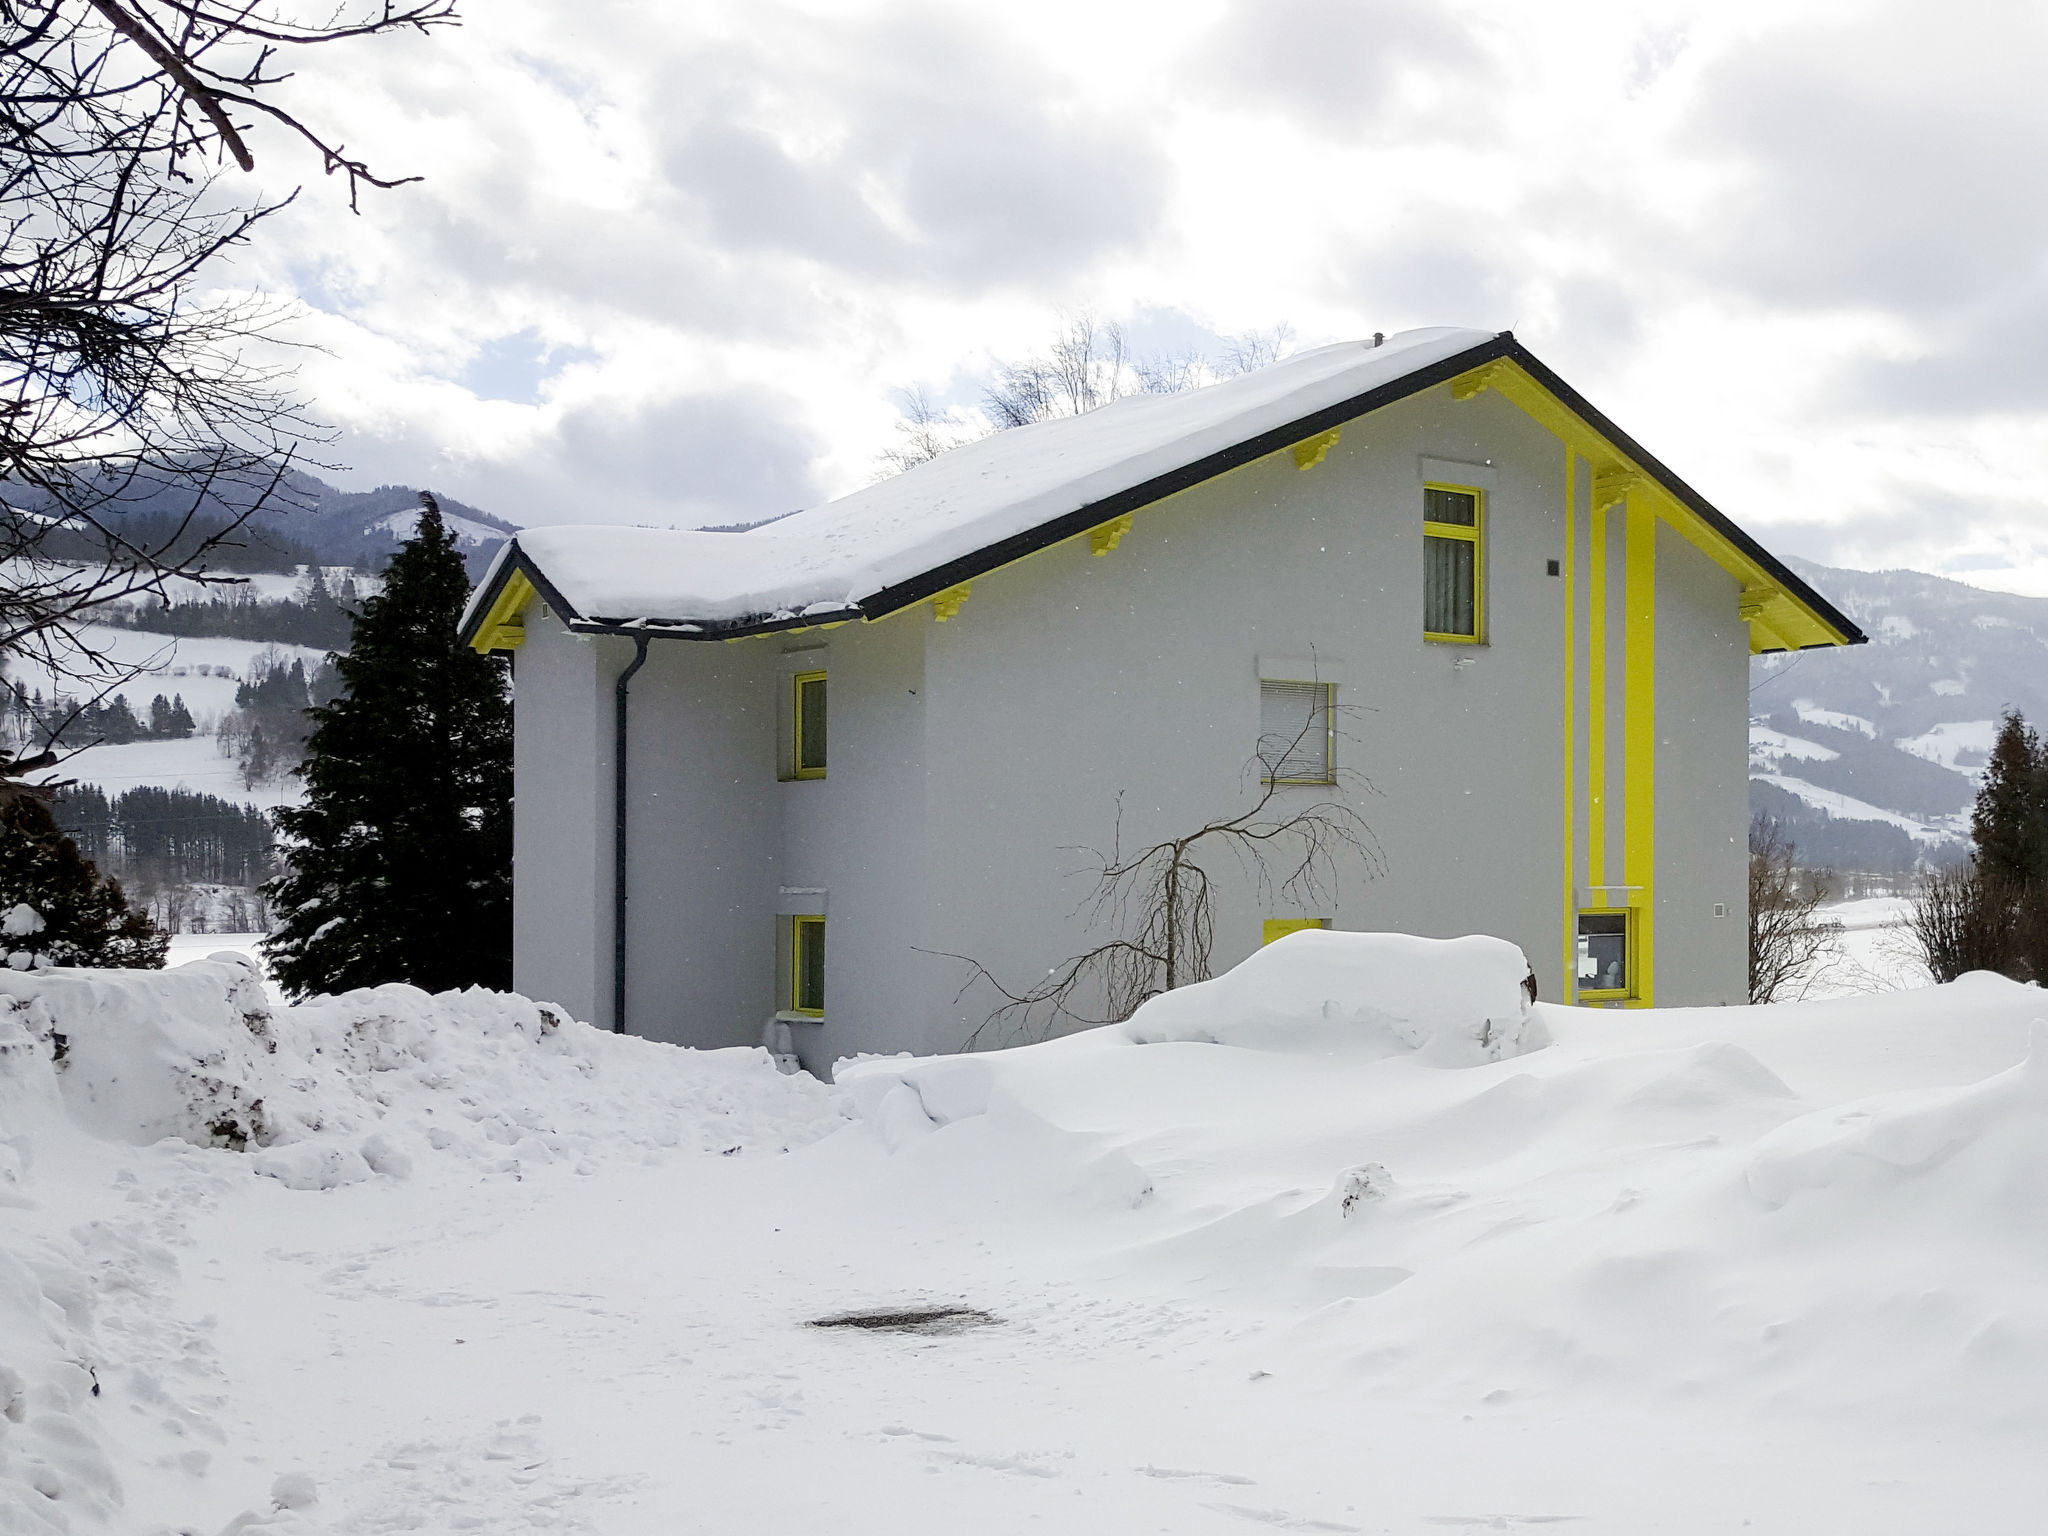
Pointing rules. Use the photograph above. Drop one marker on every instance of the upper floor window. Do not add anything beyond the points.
(1297, 734)
(1453, 563)
(809, 734)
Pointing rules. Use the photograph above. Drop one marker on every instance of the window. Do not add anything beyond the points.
(1453, 564)
(807, 966)
(1297, 735)
(1280, 927)
(810, 725)
(1606, 954)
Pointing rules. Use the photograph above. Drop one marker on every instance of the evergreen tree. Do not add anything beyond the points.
(402, 853)
(2006, 822)
(54, 907)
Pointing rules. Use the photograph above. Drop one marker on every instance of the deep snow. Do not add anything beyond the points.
(1777, 1269)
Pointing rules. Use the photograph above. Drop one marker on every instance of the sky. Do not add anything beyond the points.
(676, 263)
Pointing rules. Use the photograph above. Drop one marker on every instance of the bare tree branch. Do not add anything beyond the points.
(1159, 903)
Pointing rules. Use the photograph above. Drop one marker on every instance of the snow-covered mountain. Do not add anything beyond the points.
(1871, 755)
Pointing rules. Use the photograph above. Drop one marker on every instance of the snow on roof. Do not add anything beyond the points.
(827, 558)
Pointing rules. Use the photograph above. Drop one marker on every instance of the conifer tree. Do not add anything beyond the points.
(2006, 821)
(401, 856)
(54, 907)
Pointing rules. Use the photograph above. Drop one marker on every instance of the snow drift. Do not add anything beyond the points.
(192, 1075)
(1364, 996)
(1457, 1002)
(340, 1089)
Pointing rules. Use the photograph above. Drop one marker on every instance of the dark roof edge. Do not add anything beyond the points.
(1693, 500)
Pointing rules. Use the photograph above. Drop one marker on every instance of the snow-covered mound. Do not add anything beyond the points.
(1361, 996)
(1457, 1001)
(340, 1089)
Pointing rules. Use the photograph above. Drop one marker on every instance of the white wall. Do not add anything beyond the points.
(561, 820)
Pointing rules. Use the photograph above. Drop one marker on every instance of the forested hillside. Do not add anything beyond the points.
(1871, 755)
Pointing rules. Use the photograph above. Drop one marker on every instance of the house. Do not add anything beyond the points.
(801, 771)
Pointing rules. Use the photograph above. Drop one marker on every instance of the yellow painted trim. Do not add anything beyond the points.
(1476, 537)
(1781, 621)
(1639, 726)
(1596, 702)
(796, 749)
(796, 966)
(1280, 927)
(1571, 525)
(949, 602)
(504, 627)
(1102, 540)
(1311, 451)
(1632, 937)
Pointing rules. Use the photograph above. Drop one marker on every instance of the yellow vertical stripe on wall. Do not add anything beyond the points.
(1596, 699)
(1639, 825)
(1569, 986)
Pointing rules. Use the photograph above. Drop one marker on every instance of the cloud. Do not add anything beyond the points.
(1350, 67)
(923, 151)
(1885, 160)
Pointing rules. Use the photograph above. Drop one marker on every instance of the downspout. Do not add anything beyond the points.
(619, 834)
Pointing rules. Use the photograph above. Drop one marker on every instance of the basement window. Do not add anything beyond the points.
(809, 703)
(807, 966)
(1297, 732)
(1453, 563)
(1606, 967)
(1280, 927)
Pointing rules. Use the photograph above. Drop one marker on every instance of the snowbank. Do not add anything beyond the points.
(1364, 996)
(1457, 1002)
(210, 1083)
(340, 1089)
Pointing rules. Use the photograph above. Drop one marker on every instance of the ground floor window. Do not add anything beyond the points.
(807, 965)
(1606, 965)
(1297, 740)
(1280, 927)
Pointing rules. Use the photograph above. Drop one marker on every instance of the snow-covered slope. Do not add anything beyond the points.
(1773, 1270)
(1891, 734)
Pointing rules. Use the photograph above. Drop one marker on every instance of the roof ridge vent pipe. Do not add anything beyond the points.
(619, 698)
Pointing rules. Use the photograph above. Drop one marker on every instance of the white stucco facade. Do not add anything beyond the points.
(1590, 753)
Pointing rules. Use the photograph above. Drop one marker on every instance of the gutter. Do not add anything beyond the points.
(619, 706)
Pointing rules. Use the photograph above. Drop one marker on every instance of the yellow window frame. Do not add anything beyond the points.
(1632, 934)
(798, 927)
(1475, 535)
(798, 770)
(1280, 927)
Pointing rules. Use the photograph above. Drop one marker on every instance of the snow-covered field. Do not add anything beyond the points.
(1339, 1244)
(1875, 954)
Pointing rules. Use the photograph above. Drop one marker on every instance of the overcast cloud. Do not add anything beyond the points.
(671, 263)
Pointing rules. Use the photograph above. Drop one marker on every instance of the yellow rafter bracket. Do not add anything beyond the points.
(1611, 487)
(504, 627)
(1754, 601)
(950, 601)
(1478, 381)
(1310, 452)
(1100, 540)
